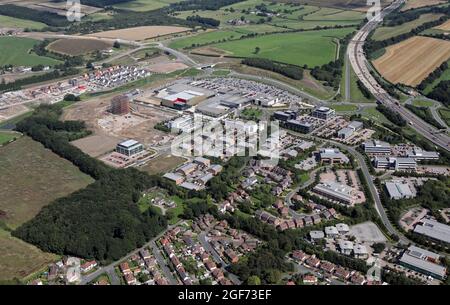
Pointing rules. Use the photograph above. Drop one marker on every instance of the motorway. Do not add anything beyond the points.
(360, 65)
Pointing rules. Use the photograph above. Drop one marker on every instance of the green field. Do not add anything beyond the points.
(445, 115)
(444, 76)
(204, 38)
(5, 137)
(16, 51)
(375, 115)
(145, 5)
(11, 22)
(356, 95)
(312, 48)
(423, 103)
(384, 32)
(344, 108)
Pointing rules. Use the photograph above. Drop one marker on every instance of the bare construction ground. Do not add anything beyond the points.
(367, 232)
(411, 61)
(140, 33)
(162, 164)
(75, 47)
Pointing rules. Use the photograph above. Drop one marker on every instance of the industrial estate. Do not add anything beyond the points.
(225, 142)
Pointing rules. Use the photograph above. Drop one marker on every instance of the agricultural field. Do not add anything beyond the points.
(19, 259)
(140, 33)
(144, 5)
(385, 32)
(11, 22)
(402, 62)
(413, 4)
(360, 5)
(204, 38)
(32, 177)
(445, 27)
(75, 47)
(312, 48)
(17, 51)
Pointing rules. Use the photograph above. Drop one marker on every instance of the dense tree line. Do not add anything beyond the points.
(290, 71)
(433, 76)
(101, 221)
(399, 17)
(441, 92)
(98, 3)
(364, 90)
(191, 5)
(425, 114)
(22, 12)
(392, 116)
(204, 20)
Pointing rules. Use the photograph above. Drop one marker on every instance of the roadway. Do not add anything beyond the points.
(361, 66)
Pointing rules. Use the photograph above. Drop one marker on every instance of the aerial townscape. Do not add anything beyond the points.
(225, 142)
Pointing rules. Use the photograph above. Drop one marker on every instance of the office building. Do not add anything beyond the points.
(323, 113)
(435, 230)
(397, 190)
(423, 261)
(395, 163)
(303, 127)
(332, 156)
(335, 191)
(129, 148)
(377, 147)
(418, 154)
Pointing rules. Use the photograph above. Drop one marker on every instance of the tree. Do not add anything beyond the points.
(378, 247)
(253, 280)
(257, 49)
(116, 45)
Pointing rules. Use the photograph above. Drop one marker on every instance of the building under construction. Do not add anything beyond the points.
(120, 104)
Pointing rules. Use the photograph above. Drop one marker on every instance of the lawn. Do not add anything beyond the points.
(32, 177)
(16, 51)
(356, 95)
(221, 72)
(445, 115)
(6, 136)
(11, 22)
(385, 32)
(344, 108)
(312, 48)
(373, 114)
(423, 103)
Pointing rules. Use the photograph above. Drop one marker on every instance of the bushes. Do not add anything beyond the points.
(394, 117)
(425, 114)
(441, 93)
(204, 20)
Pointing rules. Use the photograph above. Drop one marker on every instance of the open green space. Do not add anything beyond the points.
(144, 5)
(423, 103)
(11, 22)
(445, 115)
(221, 72)
(444, 76)
(373, 114)
(385, 32)
(312, 48)
(6, 136)
(205, 38)
(17, 51)
(356, 95)
(344, 107)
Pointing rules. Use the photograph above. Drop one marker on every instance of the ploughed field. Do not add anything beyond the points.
(75, 47)
(140, 33)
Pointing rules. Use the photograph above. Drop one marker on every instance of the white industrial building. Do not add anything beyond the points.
(398, 190)
(434, 230)
(377, 147)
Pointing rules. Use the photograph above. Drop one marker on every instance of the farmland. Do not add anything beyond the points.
(313, 48)
(16, 51)
(402, 62)
(32, 177)
(204, 38)
(24, 189)
(385, 32)
(346, 4)
(75, 47)
(413, 4)
(140, 33)
(11, 22)
(444, 27)
(145, 5)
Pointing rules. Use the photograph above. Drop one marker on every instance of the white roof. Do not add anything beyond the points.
(434, 230)
(331, 230)
(316, 234)
(128, 143)
(345, 245)
(342, 227)
(360, 249)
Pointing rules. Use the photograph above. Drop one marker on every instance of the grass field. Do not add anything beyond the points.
(312, 48)
(413, 4)
(19, 259)
(422, 103)
(32, 177)
(145, 5)
(445, 115)
(75, 47)
(11, 22)
(204, 38)
(403, 62)
(385, 32)
(356, 95)
(16, 51)
(344, 108)
(445, 76)
(140, 33)
(162, 164)
(375, 115)
(6, 136)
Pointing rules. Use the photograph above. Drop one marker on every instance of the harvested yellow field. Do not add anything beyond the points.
(412, 4)
(444, 27)
(411, 61)
(141, 32)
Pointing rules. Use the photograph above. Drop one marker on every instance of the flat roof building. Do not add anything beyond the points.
(397, 190)
(434, 230)
(332, 156)
(129, 147)
(423, 261)
(395, 163)
(418, 153)
(345, 133)
(335, 191)
(303, 127)
(377, 147)
(355, 125)
(323, 113)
